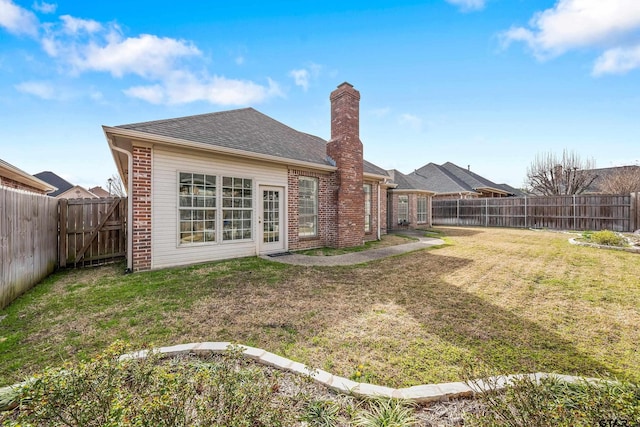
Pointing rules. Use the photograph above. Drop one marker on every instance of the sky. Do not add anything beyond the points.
(485, 84)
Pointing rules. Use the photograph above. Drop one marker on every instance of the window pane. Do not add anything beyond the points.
(307, 206)
(197, 202)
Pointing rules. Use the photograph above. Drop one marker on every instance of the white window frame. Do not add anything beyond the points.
(212, 208)
(367, 188)
(310, 200)
(197, 209)
(403, 209)
(422, 209)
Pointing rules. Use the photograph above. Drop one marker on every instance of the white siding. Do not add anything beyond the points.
(164, 212)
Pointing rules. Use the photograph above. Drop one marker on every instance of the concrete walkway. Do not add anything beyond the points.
(359, 257)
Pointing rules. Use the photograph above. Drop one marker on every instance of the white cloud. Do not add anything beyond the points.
(381, 112)
(301, 78)
(73, 25)
(173, 71)
(184, 87)
(42, 90)
(468, 5)
(44, 7)
(575, 24)
(17, 20)
(617, 61)
(412, 121)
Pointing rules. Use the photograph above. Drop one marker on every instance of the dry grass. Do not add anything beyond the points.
(501, 300)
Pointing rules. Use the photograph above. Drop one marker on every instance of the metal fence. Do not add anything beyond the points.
(579, 212)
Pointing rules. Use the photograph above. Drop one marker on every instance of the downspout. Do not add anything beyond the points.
(129, 204)
(379, 212)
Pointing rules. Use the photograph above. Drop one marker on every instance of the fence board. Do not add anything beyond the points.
(95, 231)
(28, 241)
(581, 212)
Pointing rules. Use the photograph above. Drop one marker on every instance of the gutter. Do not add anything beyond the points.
(129, 200)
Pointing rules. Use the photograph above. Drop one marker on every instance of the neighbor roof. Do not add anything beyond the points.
(451, 178)
(405, 182)
(61, 184)
(248, 130)
(10, 171)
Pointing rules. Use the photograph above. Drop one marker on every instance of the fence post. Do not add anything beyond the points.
(62, 231)
(458, 212)
(486, 212)
(526, 218)
(634, 212)
(574, 212)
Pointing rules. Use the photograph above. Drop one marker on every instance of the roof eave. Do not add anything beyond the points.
(166, 140)
(413, 190)
(22, 177)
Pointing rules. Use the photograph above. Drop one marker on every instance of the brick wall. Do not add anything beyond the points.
(327, 230)
(141, 197)
(10, 183)
(413, 210)
(345, 149)
(384, 227)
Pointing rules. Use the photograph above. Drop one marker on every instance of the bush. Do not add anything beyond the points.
(553, 402)
(607, 238)
(386, 413)
(150, 392)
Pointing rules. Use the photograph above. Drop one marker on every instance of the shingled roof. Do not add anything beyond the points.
(248, 130)
(451, 178)
(405, 182)
(51, 178)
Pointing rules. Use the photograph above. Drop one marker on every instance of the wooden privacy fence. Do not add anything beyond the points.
(92, 231)
(581, 212)
(28, 241)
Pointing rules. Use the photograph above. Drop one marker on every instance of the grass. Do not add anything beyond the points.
(385, 241)
(502, 300)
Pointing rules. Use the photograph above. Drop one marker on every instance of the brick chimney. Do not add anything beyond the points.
(345, 149)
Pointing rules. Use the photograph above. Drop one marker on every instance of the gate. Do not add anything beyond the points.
(92, 231)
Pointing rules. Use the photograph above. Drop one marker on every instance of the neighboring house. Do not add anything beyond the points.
(409, 203)
(65, 190)
(450, 181)
(99, 192)
(12, 177)
(625, 179)
(239, 183)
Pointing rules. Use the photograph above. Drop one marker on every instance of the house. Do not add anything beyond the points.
(99, 192)
(239, 183)
(12, 177)
(450, 181)
(617, 179)
(65, 190)
(409, 201)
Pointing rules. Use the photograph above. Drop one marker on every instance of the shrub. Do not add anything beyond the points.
(386, 413)
(150, 392)
(321, 413)
(553, 402)
(607, 238)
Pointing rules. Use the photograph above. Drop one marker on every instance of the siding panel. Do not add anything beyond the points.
(166, 165)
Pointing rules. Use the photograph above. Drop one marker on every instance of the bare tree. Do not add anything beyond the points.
(115, 186)
(621, 180)
(549, 175)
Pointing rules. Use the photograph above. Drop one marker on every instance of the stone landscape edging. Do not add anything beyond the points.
(419, 394)
(574, 241)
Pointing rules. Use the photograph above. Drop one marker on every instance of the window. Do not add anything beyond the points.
(197, 208)
(422, 209)
(237, 209)
(403, 209)
(307, 206)
(367, 207)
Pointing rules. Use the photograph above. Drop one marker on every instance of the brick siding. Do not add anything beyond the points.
(345, 148)
(10, 183)
(141, 208)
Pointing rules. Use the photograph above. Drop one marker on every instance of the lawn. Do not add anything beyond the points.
(501, 300)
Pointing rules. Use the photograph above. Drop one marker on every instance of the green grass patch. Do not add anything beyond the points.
(506, 300)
